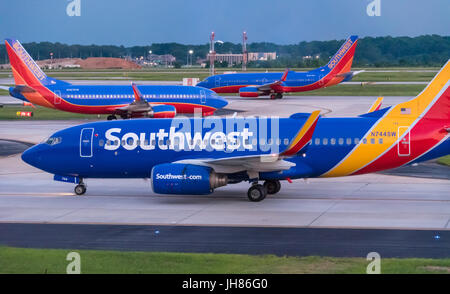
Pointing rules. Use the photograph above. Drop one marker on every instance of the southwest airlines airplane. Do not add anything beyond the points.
(275, 84)
(34, 86)
(194, 156)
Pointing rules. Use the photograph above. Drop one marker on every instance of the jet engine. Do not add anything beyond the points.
(162, 111)
(249, 91)
(186, 179)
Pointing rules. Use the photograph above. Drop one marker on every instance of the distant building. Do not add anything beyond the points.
(156, 60)
(232, 59)
(263, 56)
(317, 56)
(229, 58)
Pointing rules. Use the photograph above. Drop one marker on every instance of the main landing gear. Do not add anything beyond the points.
(111, 117)
(258, 192)
(276, 96)
(81, 188)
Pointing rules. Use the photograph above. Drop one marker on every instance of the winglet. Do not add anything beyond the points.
(137, 93)
(376, 105)
(284, 76)
(303, 136)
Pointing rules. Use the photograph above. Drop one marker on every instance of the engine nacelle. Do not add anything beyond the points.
(249, 92)
(163, 111)
(185, 179)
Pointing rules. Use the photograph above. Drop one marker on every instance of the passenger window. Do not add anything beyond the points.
(325, 141)
(356, 141)
(372, 141)
(286, 141)
(341, 141)
(380, 141)
(317, 141)
(349, 141)
(364, 141)
(101, 142)
(332, 141)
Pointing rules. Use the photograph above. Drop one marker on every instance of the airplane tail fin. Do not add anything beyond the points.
(433, 101)
(24, 68)
(342, 61)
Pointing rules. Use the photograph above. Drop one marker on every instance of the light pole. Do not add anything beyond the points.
(190, 54)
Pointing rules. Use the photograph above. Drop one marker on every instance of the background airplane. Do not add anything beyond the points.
(188, 161)
(275, 84)
(34, 86)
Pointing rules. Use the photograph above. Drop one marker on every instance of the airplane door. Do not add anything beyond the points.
(217, 81)
(57, 97)
(404, 146)
(86, 138)
(203, 96)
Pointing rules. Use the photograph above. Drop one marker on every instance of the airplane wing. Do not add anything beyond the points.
(263, 163)
(140, 107)
(269, 86)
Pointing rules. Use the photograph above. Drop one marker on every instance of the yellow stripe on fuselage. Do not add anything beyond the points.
(401, 115)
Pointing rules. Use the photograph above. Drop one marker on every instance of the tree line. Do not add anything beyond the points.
(427, 50)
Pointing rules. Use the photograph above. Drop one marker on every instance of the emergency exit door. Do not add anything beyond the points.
(404, 146)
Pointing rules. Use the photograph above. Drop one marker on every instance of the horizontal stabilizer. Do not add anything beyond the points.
(303, 136)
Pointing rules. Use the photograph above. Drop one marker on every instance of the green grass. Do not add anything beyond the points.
(444, 160)
(394, 77)
(43, 113)
(178, 74)
(365, 90)
(20, 260)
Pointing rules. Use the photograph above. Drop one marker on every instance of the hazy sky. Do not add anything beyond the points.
(140, 22)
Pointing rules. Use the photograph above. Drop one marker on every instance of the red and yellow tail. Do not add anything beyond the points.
(27, 73)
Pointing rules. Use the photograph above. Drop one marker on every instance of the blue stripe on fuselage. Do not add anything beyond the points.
(114, 163)
(91, 95)
(294, 79)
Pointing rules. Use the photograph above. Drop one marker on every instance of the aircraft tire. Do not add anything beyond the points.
(80, 189)
(272, 186)
(279, 96)
(111, 117)
(256, 193)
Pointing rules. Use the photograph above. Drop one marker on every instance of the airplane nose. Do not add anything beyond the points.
(221, 102)
(33, 156)
(201, 84)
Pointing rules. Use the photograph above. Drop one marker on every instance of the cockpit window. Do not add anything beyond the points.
(53, 140)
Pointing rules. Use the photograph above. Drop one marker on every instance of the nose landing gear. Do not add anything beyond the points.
(258, 192)
(81, 188)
